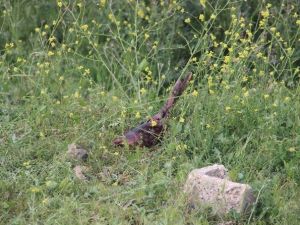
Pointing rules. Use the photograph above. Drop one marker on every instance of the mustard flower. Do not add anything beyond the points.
(195, 93)
(153, 123)
(138, 115)
(187, 20)
(201, 17)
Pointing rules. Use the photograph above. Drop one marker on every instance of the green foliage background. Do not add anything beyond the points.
(86, 71)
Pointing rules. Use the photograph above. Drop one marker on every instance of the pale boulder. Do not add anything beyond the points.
(210, 187)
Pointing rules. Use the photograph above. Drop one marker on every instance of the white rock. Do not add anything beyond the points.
(211, 187)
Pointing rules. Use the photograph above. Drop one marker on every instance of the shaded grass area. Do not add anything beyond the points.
(85, 72)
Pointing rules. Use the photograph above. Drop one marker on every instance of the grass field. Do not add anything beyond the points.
(85, 71)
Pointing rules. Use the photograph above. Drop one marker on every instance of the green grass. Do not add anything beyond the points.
(84, 72)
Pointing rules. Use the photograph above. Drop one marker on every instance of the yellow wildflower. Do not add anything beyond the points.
(141, 13)
(195, 93)
(143, 91)
(265, 13)
(84, 27)
(42, 135)
(153, 123)
(102, 2)
(227, 59)
(43, 91)
(138, 115)
(213, 16)
(86, 72)
(289, 50)
(50, 53)
(146, 36)
(76, 94)
(261, 73)
(245, 78)
(27, 163)
(35, 189)
(45, 201)
(187, 20)
(202, 2)
(292, 149)
(201, 17)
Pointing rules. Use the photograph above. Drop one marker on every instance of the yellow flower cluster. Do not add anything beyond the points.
(265, 15)
(84, 27)
(59, 4)
(153, 123)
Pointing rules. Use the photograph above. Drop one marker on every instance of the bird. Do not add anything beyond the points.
(150, 132)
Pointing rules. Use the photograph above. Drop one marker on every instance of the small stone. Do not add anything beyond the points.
(77, 152)
(79, 172)
(211, 187)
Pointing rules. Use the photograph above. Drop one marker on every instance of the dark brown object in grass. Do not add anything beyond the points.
(150, 132)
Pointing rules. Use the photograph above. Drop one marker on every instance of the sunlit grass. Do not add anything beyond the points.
(86, 71)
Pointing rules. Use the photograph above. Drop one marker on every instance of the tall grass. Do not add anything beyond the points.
(86, 71)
